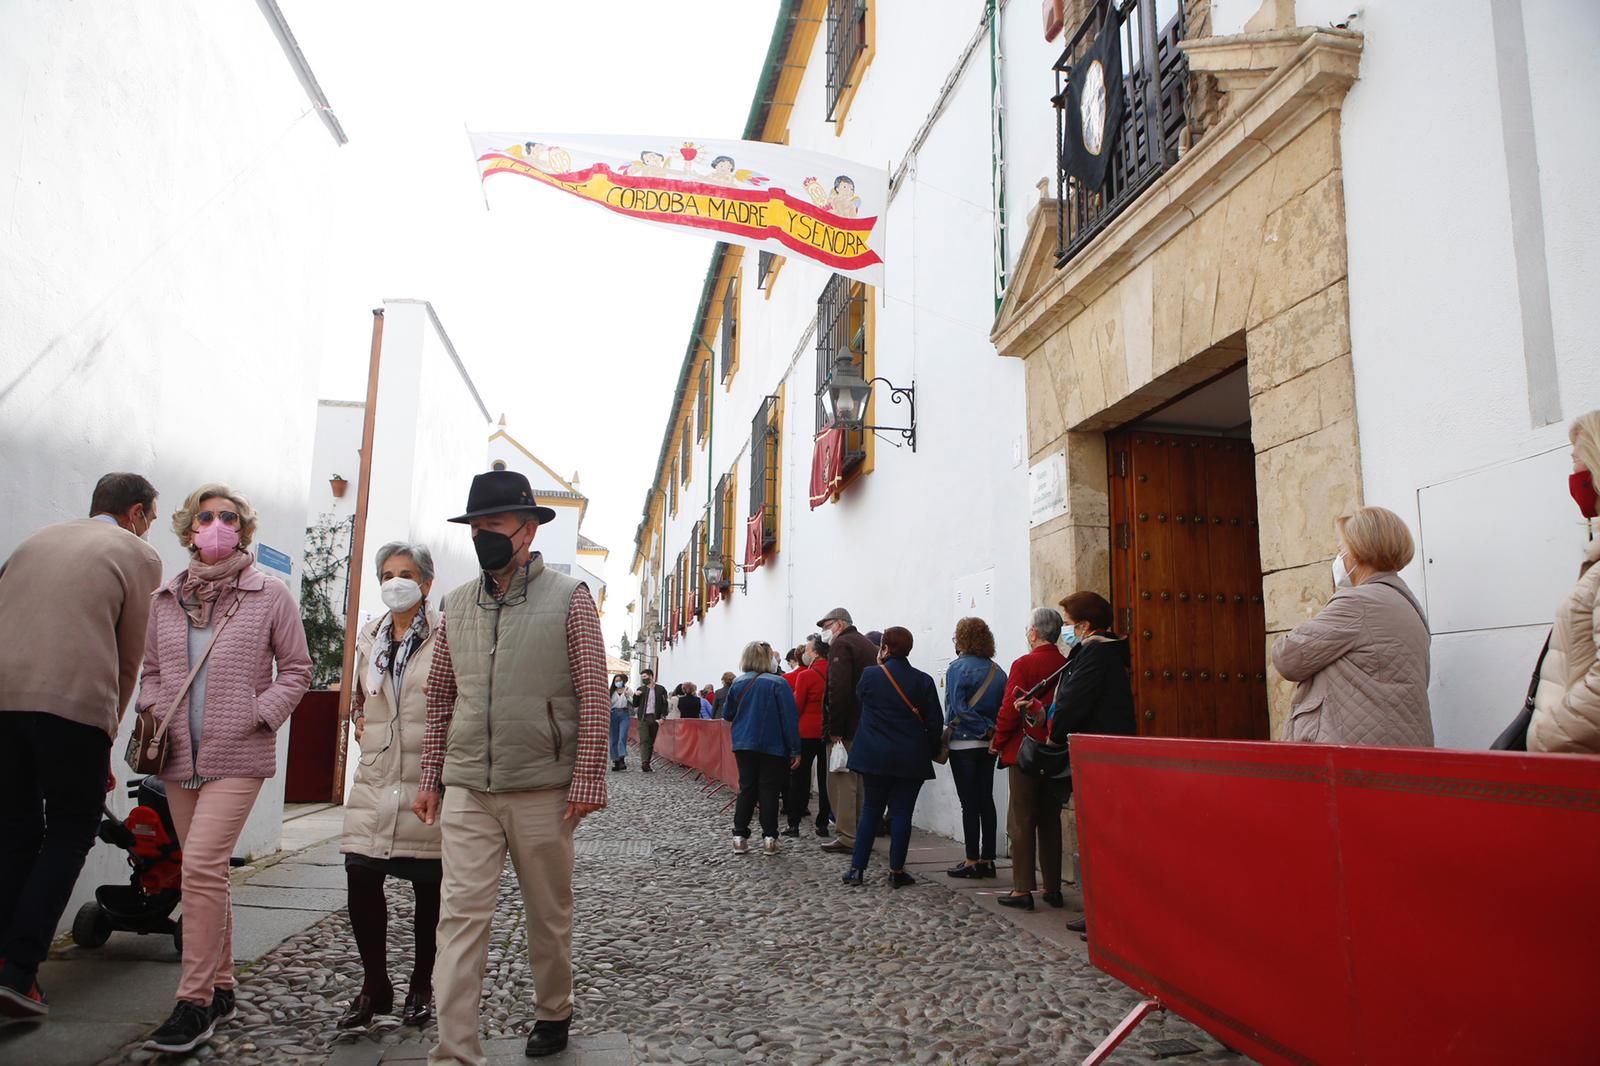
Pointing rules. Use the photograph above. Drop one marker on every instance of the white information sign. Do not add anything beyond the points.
(1047, 489)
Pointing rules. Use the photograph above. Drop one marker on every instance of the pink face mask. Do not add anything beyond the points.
(216, 542)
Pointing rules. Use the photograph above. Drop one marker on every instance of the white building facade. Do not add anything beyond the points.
(160, 294)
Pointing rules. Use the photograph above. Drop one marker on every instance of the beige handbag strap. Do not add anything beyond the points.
(978, 695)
(912, 707)
(166, 720)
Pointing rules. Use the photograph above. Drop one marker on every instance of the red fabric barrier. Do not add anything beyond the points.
(313, 743)
(1306, 903)
(706, 744)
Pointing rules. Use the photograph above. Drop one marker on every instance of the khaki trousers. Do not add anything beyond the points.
(647, 740)
(477, 829)
(209, 821)
(1035, 812)
(844, 798)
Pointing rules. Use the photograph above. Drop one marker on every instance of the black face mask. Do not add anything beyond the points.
(494, 549)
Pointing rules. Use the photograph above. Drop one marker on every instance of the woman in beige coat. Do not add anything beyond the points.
(1362, 662)
(1566, 705)
(382, 838)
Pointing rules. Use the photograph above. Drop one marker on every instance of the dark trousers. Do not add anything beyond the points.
(52, 787)
(973, 770)
(1034, 822)
(369, 923)
(899, 795)
(811, 752)
(647, 740)
(761, 779)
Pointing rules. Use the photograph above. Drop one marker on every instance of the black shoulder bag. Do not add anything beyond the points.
(1515, 736)
(1040, 758)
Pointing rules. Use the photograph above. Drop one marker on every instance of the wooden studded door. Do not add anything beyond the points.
(1186, 582)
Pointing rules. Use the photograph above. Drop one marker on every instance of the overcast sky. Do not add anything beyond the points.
(571, 321)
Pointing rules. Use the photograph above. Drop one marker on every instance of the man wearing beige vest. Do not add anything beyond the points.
(518, 723)
(74, 604)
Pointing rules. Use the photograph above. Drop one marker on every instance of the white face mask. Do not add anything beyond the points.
(1341, 576)
(401, 593)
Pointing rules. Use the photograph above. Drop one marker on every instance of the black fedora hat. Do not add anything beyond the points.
(502, 491)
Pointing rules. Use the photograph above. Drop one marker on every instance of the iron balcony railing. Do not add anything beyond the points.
(847, 39)
(841, 331)
(1154, 84)
(764, 469)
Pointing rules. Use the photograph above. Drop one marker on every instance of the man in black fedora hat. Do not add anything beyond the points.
(513, 757)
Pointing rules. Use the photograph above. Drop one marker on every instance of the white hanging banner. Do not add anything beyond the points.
(751, 193)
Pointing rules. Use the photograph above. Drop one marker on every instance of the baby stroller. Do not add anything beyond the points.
(145, 904)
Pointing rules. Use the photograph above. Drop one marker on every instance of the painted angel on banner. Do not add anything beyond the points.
(841, 201)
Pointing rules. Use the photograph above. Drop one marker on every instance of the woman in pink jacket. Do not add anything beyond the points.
(221, 741)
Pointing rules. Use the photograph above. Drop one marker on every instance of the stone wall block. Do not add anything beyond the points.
(1303, 405)
(1169, 265)
(1303, 250)
(1299, 339)
(1294, 595)
(1112, 345)
(1069, 558)
(1306, 160)
(1280, 694)
(1241, 242)
(1084, 347)
(1088, 482)
(1301, 487)
(1200, 281)
(1136, 295)
(1045, 422)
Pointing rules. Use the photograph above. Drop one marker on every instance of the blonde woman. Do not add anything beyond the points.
(1566, 706)
(382, 836)
(1362, 662)
(243, 629)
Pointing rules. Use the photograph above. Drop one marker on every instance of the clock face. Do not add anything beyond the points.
(1092, 108)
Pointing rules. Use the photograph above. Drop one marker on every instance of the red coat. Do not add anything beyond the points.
(809, 685)
(1026, 672)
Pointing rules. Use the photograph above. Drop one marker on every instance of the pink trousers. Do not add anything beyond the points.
(209, 820)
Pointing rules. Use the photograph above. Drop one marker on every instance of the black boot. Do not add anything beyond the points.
(547, 1038)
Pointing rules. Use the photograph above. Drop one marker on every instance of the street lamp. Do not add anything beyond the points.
(845, 394)
(717, 575)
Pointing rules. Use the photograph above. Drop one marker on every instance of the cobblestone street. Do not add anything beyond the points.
(694, 954)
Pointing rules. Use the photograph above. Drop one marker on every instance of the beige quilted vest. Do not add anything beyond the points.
(516, 718)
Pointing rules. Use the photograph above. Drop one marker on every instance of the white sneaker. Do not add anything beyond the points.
(741, 845)
(769, 845)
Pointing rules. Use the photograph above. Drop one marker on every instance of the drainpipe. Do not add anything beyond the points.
(997, 150)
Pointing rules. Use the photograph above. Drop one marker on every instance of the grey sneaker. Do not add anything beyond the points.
(769, 845)
(741, 845)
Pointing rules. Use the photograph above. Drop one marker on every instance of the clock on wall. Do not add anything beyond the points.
(1095, 105)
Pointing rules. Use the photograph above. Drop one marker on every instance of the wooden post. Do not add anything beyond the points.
(358, 537)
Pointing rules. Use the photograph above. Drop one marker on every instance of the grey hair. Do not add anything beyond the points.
(419, 554)
(1046, 621)
(756, 658)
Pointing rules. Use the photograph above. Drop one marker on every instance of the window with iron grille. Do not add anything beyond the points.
(764, 264)
(684, 446)
(697, 585)
(765, 440)
(722, 523)
(672, 488)
(847, 39)
(702, 406)
(730, 327)
(842, 330)
(668, 614)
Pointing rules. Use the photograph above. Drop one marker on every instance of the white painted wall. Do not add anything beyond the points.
(893, 548)
(162, 226)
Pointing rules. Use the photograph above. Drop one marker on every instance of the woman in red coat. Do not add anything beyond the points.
(1033, 820)
(809, 683)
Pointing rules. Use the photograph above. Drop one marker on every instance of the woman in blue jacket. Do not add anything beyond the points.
(973, 687)
(893, 751)
(766, 744)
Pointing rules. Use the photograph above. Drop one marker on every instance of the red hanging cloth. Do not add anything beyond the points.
(754, 538)
(827, 465)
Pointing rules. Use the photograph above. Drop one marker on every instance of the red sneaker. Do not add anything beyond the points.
(18, 1004)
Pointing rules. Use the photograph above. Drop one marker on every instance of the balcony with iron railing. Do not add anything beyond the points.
(1155, 84)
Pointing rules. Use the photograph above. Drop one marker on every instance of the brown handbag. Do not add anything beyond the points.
(147, 746)
(941, 754)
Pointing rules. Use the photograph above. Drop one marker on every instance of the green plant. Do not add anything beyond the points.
(327, 557)
(627, 649)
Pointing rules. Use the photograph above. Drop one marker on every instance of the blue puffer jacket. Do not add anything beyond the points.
(969, 721)
(764, 716)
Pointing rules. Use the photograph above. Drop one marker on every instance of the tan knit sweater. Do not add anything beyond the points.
(74, 603)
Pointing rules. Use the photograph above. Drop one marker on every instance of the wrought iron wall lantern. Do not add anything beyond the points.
(845, 394)
(715, 575)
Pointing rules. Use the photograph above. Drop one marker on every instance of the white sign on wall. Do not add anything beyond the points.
(1047, 489)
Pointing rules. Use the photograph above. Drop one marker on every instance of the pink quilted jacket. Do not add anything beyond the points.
(245, 704)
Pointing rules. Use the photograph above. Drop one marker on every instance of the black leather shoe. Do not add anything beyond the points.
(792, 831)
(822, 831)
(547, 1038)
(985, 869)
(1024, 901)
(900, 879)
(1079, 924)
(961, 869)
(1054, 899)
(854, 877)
(359, 1014)
(418, 1009)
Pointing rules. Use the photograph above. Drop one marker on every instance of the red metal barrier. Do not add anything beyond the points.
(1315, 904)
(705, 744)
(313, 739)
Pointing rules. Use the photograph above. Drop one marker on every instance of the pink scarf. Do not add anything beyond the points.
(204, 582)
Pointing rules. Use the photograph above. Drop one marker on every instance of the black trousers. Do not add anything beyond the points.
(761, 779)
(52, 788)
(799, 794)
(973, 770)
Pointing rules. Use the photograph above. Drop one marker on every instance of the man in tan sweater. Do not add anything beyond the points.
(74, 602)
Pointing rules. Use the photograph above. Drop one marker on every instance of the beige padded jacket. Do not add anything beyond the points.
(1362, 665)
(378, 822)
(1566, 705)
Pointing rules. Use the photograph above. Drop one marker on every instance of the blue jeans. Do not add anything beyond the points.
(899, 795)
(619, 734)
(973, 770)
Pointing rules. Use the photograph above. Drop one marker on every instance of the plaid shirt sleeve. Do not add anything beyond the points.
(440, 690)
(586, 656)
